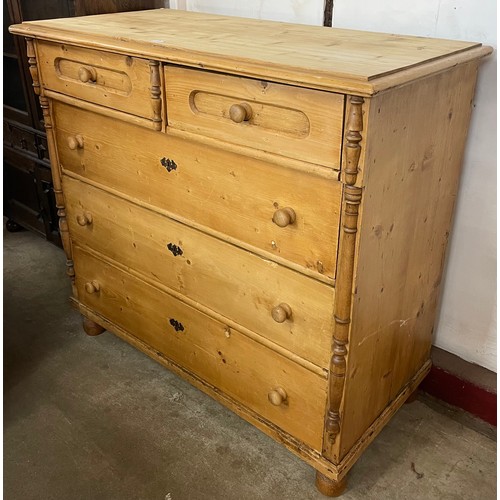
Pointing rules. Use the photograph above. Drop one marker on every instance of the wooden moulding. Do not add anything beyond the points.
(56, 179)
(154, 67)
(353, 137)
(345, 269)
(54, 163)
(282, 61)
(30, 51)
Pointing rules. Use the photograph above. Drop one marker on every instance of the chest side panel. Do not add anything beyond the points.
(414, 148)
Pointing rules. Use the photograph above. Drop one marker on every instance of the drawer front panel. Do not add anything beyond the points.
(225, 358)
(290, 121)
(111, 80)
(229, 193)
(237, 284)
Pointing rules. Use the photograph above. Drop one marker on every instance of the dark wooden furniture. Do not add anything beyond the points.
(28, 192)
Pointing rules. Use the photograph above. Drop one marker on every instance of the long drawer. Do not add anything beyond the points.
(278, 389)
(290, 121)
(287, 213)
(112, 80)
(238, 284)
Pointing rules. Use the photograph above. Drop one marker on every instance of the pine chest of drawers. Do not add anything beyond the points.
(264, 208)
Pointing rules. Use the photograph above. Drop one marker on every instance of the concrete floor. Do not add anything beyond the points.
(93, 419)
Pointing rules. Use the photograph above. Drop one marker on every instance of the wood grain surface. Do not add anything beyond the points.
(203, 207)
(121, 82)
(304, 55)
(220, 355)
(237, 284)
(231, 194)
(289, 121)
(414, 148)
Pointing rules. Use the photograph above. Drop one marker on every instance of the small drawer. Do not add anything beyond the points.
(275, 387)
(246, 199)
(294, 122)
(112, 80)
(288, 308)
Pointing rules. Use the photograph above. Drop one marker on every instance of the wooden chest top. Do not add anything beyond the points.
(315, 56)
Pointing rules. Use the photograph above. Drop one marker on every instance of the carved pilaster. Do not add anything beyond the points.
(155, 89)
(56, 180)
(352, 149)
(345, 269)
(30, 51)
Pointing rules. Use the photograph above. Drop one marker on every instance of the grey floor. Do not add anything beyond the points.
(93, 419)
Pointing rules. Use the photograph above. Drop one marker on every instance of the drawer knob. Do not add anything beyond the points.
(92, 286)
(277, 396)
(240, 112)
(75, 142)
(284, 216)
(84, 219)
(281, 313)
(87, 74)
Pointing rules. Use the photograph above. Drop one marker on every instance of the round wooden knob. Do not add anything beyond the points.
(75, 142)
(84, 219)
(281, 313)
(284, 216)
(87, 74)
(277, 396)
(92, 286)
(240, 112)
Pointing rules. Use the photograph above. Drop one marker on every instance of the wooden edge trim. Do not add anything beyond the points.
(96, 108)
(282, 161)
(321, 80)
(155, 94)
(204, 229)
(413, 74)
(351, 201)
(308, 365)
(46, 106)
(372, 432)
(32, 64)
(303, 451)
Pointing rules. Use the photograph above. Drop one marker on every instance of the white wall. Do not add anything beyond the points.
(467, 321)
(293, 11)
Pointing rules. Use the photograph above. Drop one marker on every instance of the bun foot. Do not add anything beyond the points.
(329, 487)
(91, 328)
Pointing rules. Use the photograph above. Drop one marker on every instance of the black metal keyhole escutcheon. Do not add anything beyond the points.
(168, 164)
(178, 326)
(175, 249)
